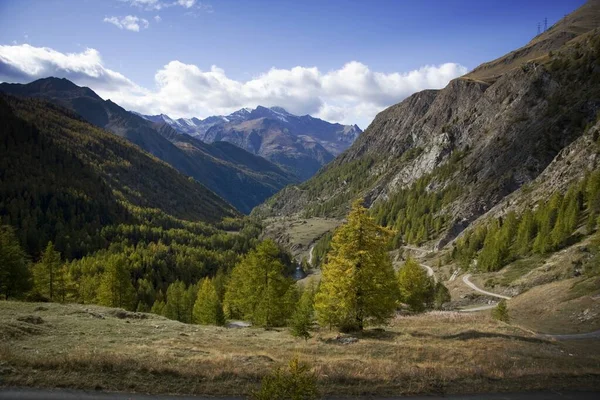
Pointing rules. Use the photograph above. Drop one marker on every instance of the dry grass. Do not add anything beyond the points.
(298, 234)
(432, 353)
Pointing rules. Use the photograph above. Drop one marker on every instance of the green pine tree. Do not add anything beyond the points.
(302, 318)
(442, 296)
(357, 286)
(257, 287)
(47, 271)
(417, 290)
(115, 288)
(176, 306)
(501, 312)
(14, 265)
(208, 309)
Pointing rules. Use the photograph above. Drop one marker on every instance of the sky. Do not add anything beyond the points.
(343, 61)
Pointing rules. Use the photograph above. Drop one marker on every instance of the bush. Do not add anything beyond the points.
(295, 383)
(501, 312)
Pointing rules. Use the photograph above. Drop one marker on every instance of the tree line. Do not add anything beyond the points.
(359, 285)
(546, 227)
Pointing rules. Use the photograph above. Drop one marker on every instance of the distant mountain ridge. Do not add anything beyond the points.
(299, 144)
(241, 178)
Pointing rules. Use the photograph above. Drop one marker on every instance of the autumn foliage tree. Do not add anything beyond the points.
(358, 285)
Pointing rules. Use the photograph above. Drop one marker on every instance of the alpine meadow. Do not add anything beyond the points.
(300, 200)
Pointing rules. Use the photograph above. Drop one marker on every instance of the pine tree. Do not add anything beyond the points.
(442, 295)
(14, 265)
(501, 312)
(176, 305)
(158, 308)
(357, 286)
(257, 287)
(525, 233)
(47, 271)
(303, 315)
(208, 309)
(191, 293)
(115, 288)
(417, 290)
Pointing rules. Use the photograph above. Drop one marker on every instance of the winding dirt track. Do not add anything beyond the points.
(571, 336)
(475, 288)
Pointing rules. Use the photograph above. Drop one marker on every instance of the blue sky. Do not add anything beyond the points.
(174, 55)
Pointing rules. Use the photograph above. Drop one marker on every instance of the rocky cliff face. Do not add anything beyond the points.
(488, 136)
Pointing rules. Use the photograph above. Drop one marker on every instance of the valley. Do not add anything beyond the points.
(451, 248)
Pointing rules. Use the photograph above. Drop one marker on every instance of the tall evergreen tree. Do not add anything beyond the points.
(303, 315)
(115, 288)
(176, 306)
(442, 295)
(358, 285)
(47, 271)
(417, 290)
(257, 287)
(14, 265)
(208, 309)
(525, 233)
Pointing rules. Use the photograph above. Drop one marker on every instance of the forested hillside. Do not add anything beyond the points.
(98, 219)
(241, 178)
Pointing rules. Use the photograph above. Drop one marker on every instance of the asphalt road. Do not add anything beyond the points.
(66, 394)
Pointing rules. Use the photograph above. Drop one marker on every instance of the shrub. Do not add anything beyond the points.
(294, 383)
(501, 312)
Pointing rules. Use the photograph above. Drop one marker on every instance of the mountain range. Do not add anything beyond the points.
(241, 178)
(511, 132)
(298, 144)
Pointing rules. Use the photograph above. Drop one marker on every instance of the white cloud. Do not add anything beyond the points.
(129, 22)
(155, 5)
(186, 3)
(146, 4)
(157, 18)
(350, 94)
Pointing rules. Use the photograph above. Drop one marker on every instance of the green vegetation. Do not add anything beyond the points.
(551, 226)
(417, 290)
(294, 383)
(208, 309)
(501, 312)
(258, 289)
(358, 285)
(14, 265)
(415, 213)
(321, 248)
(303, 316)
(354, 176)
(441, 296)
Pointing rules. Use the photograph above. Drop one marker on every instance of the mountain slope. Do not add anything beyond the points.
(300, 144)
(445, 157)
(239, 178)
(64, 180)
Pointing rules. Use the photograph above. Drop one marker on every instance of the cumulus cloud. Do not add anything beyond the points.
(186, 3)
(129, 22)
(157, 18)
(351, 94)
